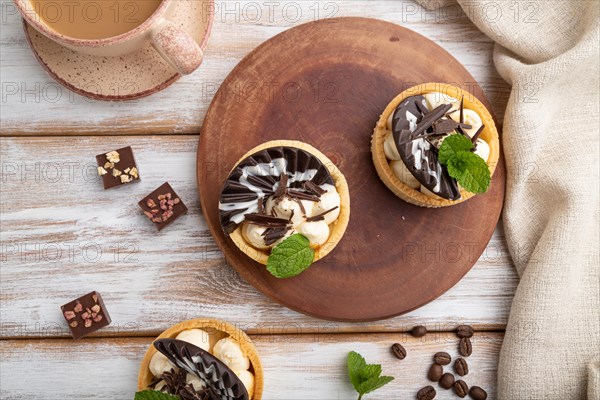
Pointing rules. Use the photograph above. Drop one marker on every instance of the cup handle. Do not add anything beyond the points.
(178, 48)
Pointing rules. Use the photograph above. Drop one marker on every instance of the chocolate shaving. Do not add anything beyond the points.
(221, 382)
(175, 384)
(476, 135)
(462, 118)
(316, 189)
(444, 126)
(266, 220)
(302, 195)
(301, 205)
(430, 118)
(320, 217)
(261, 206)
(421, 108)
(271, 235)
(282, 187)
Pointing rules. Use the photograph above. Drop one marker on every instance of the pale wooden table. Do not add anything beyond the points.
(62, 235)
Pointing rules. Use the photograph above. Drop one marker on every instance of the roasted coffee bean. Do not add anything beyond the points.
(461, 367)
(418, 331)
(427, 393)
(435, 372)
(442, 358)
(399, 351)
(447, 380)
(464, 331)
(477, 393)
(465, 348)
(461, 388)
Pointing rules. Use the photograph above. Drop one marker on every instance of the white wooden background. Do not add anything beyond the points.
(62, 235)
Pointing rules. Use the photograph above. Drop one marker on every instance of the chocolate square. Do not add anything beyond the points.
(117, 173)
(86, 315)
(163, 206)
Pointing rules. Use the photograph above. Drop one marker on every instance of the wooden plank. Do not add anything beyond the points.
(33, 104)
(296, 366)
(62, 235)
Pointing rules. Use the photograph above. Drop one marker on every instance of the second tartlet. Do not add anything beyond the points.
(279, 189)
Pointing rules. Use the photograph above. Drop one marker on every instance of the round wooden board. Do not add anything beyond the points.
(326, 83)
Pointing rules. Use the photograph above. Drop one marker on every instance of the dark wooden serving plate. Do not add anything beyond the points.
(325, 83)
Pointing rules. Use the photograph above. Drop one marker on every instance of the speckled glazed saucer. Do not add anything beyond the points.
(128, 77)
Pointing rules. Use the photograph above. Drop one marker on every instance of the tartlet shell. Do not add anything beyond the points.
(400, 189)
(337, 228)
(217, 330)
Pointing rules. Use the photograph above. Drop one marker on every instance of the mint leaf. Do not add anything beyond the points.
(470, 171)
(290, 257)
(356, 363)
(154, 395)
(373, 384)
(365, 377)
(451, 146)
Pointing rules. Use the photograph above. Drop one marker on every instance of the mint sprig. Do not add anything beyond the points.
(470, 171)
(154, 395)
(365, 378)
(290, 257)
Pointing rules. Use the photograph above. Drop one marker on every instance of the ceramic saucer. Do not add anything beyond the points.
(127, 77)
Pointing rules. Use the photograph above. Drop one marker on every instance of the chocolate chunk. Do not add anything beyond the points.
(162, 206)
(223, 382)
(418, 331)
(260, 174)
(117, 168)
(417, 153)
(86, 315)
(447, 380)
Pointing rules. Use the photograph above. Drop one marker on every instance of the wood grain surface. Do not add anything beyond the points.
(394, 256)
(55, 217)
(63, 235)
(30, 95)
(296, 367)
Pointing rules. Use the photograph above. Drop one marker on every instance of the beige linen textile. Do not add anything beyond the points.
(549, 53)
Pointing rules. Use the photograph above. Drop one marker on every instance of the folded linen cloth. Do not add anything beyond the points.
(549, 52)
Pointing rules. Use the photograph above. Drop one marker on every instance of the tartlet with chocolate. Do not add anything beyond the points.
(281, 189)
(408, 145)
(203, 359)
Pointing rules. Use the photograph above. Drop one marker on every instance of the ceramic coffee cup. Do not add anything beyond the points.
(178, 48)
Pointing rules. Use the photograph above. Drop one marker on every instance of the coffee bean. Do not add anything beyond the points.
(447, 380)
(418, 331)
(477, 393)
(465, 348)
(399, 351)
(435, 372)
(461, 367)
(464, 331)
(427, 393)
(442, 358)
(461, 388)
